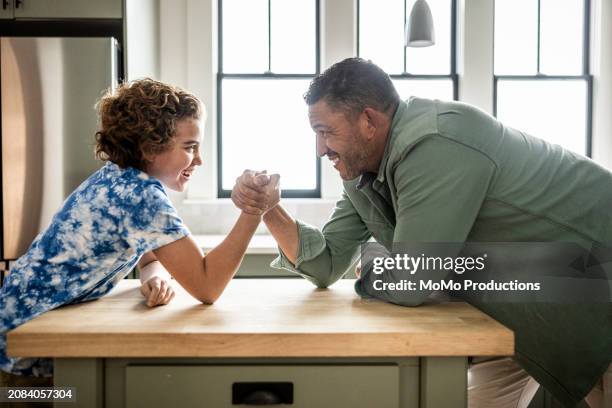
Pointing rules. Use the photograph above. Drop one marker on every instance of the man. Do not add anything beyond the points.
(431, 171)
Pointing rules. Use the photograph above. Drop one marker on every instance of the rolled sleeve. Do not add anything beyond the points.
(311, 244)
(325, 255)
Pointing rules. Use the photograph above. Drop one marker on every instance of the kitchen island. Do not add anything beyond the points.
(274, 340)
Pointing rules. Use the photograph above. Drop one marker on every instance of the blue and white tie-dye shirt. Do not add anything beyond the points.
(94, 241)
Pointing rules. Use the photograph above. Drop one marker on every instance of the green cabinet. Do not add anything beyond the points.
(337, 386)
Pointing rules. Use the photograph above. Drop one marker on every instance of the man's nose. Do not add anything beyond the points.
(321, 146)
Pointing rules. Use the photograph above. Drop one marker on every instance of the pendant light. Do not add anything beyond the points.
(419, 27)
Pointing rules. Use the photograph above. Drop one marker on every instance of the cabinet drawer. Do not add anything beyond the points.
(333, 386)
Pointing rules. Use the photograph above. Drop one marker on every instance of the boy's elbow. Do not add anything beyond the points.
(208, 298)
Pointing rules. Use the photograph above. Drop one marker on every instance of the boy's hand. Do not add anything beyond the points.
(157, 291)
(256, 192)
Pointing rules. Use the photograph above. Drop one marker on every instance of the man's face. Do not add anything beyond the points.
(340, 139)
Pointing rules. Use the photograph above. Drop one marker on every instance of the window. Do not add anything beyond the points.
(428, 72)
(268, 54)
(542, 82)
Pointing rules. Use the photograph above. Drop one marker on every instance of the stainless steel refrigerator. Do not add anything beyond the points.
(49, 87)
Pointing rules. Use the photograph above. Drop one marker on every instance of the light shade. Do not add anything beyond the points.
(419, 27)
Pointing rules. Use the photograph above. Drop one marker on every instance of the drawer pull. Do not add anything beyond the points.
(262, 397)
(262, 393)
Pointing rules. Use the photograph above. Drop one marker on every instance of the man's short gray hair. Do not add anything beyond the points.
(352, 85)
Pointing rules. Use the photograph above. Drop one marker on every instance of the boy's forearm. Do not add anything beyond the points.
(222, 262)
(284, 229)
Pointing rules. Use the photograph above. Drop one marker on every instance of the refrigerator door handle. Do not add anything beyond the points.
(5, 4)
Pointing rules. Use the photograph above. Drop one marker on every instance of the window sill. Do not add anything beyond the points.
(290, 202)
(259, 245)
(217, 216)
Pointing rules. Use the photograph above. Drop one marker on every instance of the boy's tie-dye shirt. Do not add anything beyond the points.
(95, 240)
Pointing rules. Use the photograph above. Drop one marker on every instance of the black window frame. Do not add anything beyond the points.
(453, 76)
(268, 75)
(585, 76)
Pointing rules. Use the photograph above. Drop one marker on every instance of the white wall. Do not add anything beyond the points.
(142, 38)
(601, 67)
(475, 52)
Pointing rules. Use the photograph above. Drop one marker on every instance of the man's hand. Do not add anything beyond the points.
(256, 192)
(358, 270)
(157, 291)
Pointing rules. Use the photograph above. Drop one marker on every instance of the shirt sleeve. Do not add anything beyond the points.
(151, 221)
(441, 185)
(324, 256)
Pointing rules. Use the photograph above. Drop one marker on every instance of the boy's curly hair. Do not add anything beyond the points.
(139, 120)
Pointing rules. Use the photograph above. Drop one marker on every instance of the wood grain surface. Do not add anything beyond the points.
(260, 318)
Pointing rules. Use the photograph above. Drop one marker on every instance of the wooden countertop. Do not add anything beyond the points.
(260, 318)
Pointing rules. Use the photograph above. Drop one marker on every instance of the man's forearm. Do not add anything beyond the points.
(284, 230)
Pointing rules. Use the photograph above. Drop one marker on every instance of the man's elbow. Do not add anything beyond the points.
(410, 303)
(322, 282)
(401, 299)
(409, 299)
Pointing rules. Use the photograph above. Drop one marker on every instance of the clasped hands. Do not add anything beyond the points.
(256, 192)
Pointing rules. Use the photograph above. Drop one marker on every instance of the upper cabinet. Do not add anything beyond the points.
(7, 10)
(60, 9)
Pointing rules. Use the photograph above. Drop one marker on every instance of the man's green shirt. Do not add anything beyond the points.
(452, 173)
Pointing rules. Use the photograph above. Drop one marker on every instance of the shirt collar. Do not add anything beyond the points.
(380, 176)
(365, 179)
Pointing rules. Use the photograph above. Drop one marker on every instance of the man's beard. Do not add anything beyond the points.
(355, 160)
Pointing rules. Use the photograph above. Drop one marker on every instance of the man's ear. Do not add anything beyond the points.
(371, 118)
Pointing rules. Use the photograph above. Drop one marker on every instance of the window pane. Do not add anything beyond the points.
(516, 37)
(245, 36)
(425, 88)
(265, 126)
(561, 36)
(293, 36)
(554, 110)
(381, 33)
(434, 59)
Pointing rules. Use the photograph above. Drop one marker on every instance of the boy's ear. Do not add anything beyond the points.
(148, 157)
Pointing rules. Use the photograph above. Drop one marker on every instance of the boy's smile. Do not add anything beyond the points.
(175, 166)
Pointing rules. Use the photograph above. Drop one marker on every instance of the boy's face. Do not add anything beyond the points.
(175, 166)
